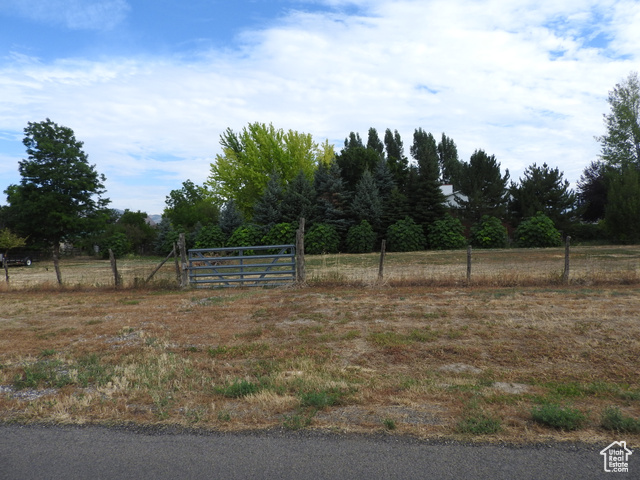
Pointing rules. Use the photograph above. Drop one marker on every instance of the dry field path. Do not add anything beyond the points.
(99, 453)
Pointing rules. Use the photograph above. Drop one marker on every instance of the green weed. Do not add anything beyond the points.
(613, 419)
(389, 424)
(557, 416)
(239, 388)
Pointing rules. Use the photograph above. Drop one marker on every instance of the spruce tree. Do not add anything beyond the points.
(366, 203)
(299, 200)
(267, 211)
(331, 197)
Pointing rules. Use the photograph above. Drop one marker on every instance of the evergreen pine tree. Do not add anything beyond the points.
(299, 200)
(267, 210)
(484, 187)
(366, 203)
(230, 218)
(331, 197)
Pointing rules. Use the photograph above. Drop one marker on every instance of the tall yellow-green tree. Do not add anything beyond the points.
(249, 158)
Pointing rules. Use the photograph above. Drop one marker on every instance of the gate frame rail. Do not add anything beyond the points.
(241, 266)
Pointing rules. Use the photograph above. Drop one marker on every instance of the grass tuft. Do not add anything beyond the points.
(560, 417)
(613, 419)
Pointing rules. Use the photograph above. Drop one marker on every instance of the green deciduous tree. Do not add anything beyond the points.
(190, 205)
(60, 194)
(622, 213)
(248, 158)
(621, 143)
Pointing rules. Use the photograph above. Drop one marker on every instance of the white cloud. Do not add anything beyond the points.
(512, 78)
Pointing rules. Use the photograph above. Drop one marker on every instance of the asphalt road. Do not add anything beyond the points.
(41, 452)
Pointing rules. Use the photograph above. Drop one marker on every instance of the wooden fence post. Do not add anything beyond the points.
(383, 248)
(468, 264)
(300, 267)
(565, 276)
(184, 271)
(114, 268)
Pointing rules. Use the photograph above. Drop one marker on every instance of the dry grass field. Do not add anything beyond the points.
(515, 356)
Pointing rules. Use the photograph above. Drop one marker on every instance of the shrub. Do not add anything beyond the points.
(538, 232)
(361, 238)
(321, 238)
(245, 236)
(613, 419)
(489, 233)
(118, 243)
(405, 236)
(556, 416)
(210, 236)
(446, 234)
(280, 234)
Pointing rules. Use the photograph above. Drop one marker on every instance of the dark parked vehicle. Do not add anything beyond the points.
(16, 259)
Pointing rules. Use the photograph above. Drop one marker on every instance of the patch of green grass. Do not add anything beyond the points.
(43, 373)
(92, 372)
(478, 423)
(350, 335)
(298, 420)
(394, 339)
(389, 423)
(238, 389)
(224, 416)
(321, 399)
(560, 417)
(613, 419)
(128, 301)
(48, 352)
(236, 351)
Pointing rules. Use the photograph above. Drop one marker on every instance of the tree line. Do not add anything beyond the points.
(266, 178)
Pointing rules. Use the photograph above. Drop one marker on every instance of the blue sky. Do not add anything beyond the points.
(149, 86)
